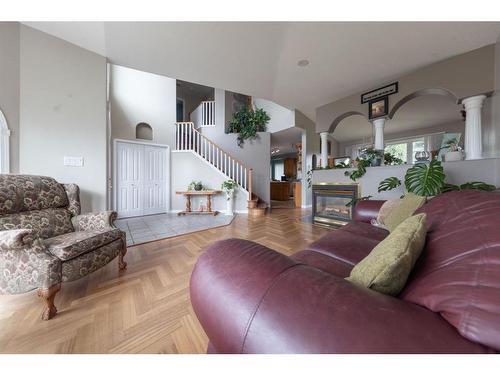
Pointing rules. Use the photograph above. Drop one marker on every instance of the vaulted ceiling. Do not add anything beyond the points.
(260, 59)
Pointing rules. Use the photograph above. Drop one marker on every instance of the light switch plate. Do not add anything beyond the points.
(73, 161)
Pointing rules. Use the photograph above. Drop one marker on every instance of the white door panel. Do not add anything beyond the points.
(155, 181)
(141, 179)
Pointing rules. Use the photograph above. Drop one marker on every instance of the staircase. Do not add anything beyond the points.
(187, 138)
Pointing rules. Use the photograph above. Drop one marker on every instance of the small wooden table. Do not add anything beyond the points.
(191, 193)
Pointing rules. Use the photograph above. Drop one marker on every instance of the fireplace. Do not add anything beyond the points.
(329, 203)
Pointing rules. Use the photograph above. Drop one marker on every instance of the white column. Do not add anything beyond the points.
(473, 139)
(378, 124)
(324, 149)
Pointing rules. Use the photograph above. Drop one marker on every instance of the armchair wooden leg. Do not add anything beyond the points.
(122, 265)
(48, 296)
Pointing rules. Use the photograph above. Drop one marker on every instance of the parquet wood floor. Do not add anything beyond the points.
(147, 309)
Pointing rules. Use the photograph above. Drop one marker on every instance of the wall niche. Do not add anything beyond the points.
(144, 131)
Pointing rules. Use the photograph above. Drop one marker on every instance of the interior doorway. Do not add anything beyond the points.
(180, 112)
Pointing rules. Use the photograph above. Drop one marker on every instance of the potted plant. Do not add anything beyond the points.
(195, 185)
(228, 187)
(247, 122)
(454, 151)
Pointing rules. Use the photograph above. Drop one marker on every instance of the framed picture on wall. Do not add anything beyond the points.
(378, 107)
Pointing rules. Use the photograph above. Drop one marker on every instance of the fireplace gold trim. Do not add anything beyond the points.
(320, 219)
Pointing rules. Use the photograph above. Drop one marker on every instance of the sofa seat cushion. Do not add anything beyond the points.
(350, 243)
(45, 223)
(366, 230)
(323, 262)
(71, 245)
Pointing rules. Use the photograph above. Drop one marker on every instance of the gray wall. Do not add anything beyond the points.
(492, 133)
(465, 75)
(310, 145)
(63, 113)
(9, 86)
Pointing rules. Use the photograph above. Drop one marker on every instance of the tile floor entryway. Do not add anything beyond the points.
(155, 227)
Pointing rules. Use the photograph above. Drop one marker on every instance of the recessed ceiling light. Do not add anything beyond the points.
(303, 63)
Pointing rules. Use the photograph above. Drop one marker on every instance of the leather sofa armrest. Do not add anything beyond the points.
(366, 210)
(94, 221)
(250, 299)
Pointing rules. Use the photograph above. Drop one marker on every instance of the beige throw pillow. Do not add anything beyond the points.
(407, 206)
(387, 267)
(384, 211)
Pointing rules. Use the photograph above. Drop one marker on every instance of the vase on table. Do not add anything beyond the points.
(230, 203)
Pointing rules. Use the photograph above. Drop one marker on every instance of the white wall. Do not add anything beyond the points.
(281, 117)
(255, 154)
(188, 167)
(63, 113)
(9, 86)
(457, 172)
(136, 97)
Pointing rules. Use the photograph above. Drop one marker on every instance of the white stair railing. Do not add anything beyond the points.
(204, 114)
(187, 138)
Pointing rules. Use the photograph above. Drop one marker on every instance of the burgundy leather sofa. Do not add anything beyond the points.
(251, 299)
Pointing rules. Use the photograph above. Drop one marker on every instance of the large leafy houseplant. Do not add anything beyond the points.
(425, 179)
(247, 122)
(429, 180)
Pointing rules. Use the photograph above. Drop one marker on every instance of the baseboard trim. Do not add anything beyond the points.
(223, 212)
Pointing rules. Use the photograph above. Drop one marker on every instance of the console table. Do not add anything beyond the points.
(195, 193)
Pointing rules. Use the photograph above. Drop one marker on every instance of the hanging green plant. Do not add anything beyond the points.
(247, 122)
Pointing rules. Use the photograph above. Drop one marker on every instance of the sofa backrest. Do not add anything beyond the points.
(35, 202)
(458, 274)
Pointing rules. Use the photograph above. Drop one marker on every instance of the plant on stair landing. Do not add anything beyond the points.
(248, 122)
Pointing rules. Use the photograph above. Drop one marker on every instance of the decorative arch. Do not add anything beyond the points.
(144, 131)
(4, 145)
(422, 92)
(341, 117)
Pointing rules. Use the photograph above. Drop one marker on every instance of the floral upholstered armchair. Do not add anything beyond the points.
(44, 240)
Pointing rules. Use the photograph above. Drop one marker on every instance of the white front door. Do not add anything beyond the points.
(141, 179)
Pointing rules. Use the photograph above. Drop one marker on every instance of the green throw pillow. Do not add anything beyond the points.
(389, 264)
(409, 204)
